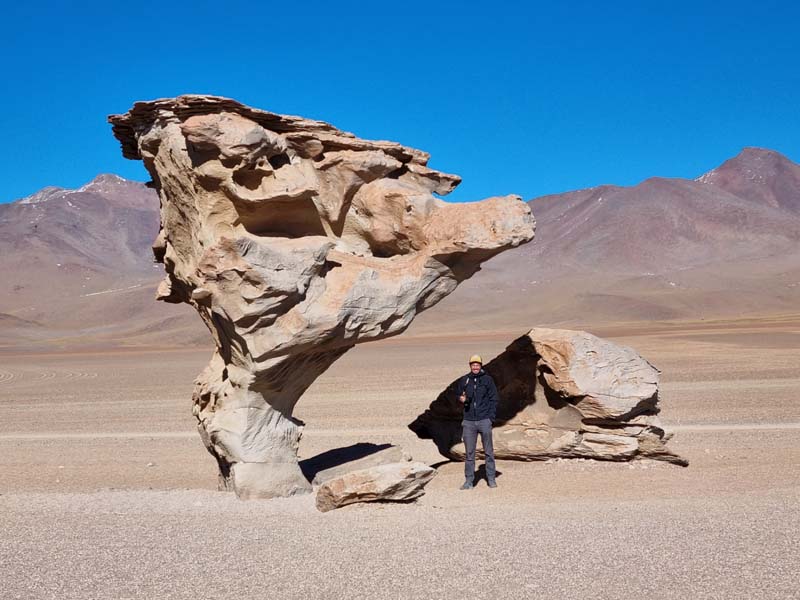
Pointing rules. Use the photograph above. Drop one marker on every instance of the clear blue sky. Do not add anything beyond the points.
(516, 97)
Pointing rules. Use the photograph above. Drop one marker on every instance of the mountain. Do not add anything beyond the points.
(759, 175)
(726, 244)
(78, 266)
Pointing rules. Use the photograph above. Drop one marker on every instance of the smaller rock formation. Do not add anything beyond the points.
(562, 394)
(397, 481)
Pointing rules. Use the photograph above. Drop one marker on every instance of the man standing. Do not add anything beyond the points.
(477, 392)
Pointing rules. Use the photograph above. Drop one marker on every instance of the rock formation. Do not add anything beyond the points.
(365, 472)
(294, 241)
(394, 482)
(562, 394)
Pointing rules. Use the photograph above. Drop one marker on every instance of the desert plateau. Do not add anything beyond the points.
(452, 301)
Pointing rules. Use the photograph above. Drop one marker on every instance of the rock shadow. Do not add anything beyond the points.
(338, 456)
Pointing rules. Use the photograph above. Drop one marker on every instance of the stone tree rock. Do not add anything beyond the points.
(562, 394)
(294, 241)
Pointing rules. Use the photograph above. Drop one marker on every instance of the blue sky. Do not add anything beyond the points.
(516, 97)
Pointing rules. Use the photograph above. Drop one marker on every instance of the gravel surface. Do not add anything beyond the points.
(197, 544)
(107, 493)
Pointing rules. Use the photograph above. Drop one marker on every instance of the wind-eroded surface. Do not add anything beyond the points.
(84, 516)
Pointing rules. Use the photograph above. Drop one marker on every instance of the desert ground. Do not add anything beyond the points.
(107, 492)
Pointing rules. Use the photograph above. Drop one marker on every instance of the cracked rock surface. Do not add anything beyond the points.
(563, 394)
(294, 241)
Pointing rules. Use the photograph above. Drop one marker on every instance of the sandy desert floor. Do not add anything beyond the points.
(107, 492)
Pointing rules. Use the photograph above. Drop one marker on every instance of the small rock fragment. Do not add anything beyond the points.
(389, 482)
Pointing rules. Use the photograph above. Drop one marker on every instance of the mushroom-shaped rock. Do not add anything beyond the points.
(562, 394)
(294, 241)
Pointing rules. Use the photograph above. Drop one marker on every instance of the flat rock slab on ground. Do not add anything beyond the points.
(391, 482)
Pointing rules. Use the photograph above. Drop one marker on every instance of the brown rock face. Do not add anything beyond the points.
(294, 241)
(562, 394)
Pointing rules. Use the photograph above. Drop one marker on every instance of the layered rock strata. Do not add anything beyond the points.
(562, 394)
(294, 241)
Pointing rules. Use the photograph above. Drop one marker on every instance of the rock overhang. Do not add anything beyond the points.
(307, 136)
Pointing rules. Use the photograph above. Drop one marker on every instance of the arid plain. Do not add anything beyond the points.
(107, 491)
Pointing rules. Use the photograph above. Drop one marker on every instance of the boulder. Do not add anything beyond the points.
(294, 241)
(565, 394)
(390, 482)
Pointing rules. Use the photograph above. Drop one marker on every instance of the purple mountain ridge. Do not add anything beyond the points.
(78, 265)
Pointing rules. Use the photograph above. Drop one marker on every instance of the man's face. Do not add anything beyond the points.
(475, 367)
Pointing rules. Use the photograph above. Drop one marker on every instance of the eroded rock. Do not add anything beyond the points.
(389, 482)
(294, 241)
(562, 394)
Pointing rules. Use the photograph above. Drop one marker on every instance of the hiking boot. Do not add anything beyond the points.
(492, 483)
(467, 485)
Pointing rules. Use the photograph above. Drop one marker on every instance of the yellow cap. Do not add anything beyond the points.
(475, 358)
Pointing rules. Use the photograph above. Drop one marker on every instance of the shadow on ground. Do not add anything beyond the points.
(338, 456)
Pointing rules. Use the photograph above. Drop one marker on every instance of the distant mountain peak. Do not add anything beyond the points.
(109, 177)
(43, 195)
(107, 185)
(760, 175)
(104, 181)
(751, 161)
(758, 153)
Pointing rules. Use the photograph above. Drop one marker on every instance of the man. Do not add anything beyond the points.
(477, 392)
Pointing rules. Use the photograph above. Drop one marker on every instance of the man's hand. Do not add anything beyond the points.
(463, 397)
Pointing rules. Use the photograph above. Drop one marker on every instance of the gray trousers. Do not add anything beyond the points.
(471, 429)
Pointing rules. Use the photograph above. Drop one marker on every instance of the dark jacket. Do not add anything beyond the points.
(481, 396)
